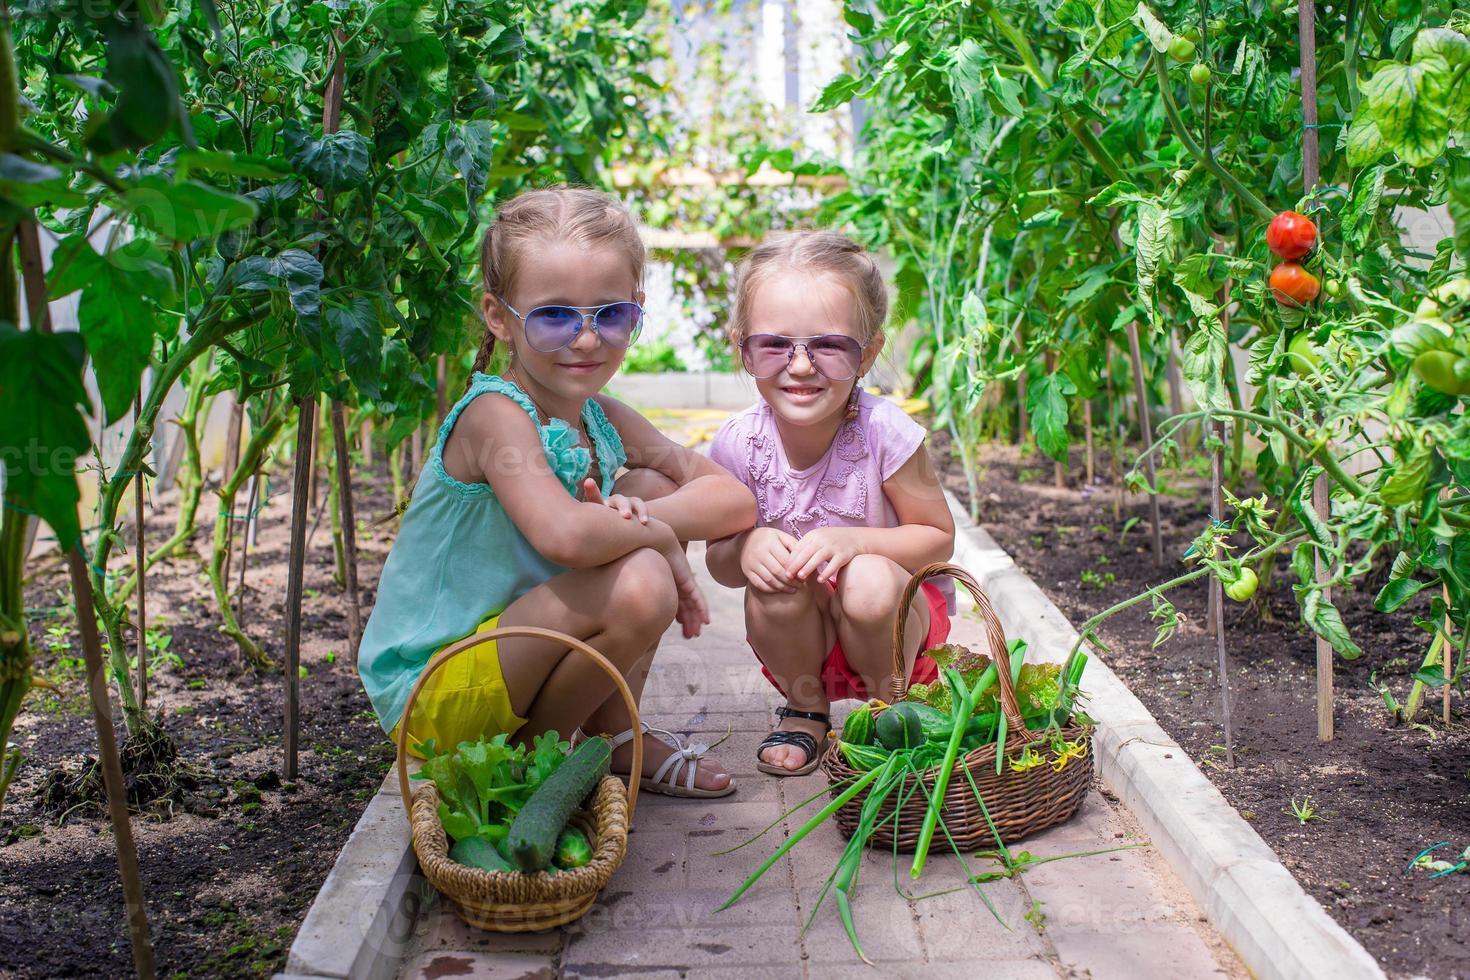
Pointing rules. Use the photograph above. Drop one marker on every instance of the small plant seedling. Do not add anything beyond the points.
(331, 656)
(1092, 578)
(58, 639)
(1037, 540)
(312, 593)
(1102, 559)
(1128, 525)
(1304, 811)
(1036, 916)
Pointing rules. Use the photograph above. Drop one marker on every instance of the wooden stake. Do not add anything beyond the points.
(233, 435)
(1217, 602)
(1087, 428)
(112, 776)
(316, 458)
(245, 546)
(81, 587)
(365, 440)
(1307, 30)
(1446, 658)
(349, 526)
(1146, 430)
(305, 426)
(140, 558)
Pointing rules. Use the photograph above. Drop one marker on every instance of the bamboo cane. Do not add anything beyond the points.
(349, 526)
(140, 559)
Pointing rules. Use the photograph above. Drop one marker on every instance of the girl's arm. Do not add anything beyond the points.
(925, 533)
(709, 504)
(507, 450)
(722, 558)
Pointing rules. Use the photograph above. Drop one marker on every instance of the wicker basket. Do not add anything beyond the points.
(516, 902)
(1020, 803)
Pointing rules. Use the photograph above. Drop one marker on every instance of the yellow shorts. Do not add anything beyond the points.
(465, 699)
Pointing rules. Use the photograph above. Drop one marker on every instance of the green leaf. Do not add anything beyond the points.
(1459, 208)
(1364, 141)
(1397, 592)
(1322, 616)
(1202, 361)
(358, 332)
(1152, 239)
(1158, 35)
(968, 83)
(118, 311)
(1118, 192)
(295, 271)
(1441, 42)
(186, 210)
(1405, 484)
(1361, 212)
(1408, 102)
(1301, 505)
(1414, 337)
(336, 162)
(44, 404)
(1046, 403)
(838, 92)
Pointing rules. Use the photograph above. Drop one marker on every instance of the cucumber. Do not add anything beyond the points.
(531, 842)
(858, 728)
(572, 849)
(901, 727)
(863, 757)
(935, 723)
(476, 852)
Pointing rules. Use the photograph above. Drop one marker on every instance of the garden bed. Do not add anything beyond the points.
(1380, 793)
(231, 866)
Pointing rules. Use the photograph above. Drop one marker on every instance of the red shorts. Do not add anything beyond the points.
(838, 677)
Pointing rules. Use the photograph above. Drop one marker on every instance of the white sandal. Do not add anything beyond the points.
(684, 760)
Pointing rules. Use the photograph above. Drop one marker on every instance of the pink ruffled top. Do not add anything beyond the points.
(842, 489)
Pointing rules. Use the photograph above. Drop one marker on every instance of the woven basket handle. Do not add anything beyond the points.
(498, 633)
(898, 684)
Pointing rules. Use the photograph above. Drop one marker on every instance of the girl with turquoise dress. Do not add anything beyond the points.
(546, 503)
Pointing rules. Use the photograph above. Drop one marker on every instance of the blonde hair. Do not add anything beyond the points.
(576, 215)
(820, 252)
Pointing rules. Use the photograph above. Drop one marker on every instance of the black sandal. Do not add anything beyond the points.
(801, 740)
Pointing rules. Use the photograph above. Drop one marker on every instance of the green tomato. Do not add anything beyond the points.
(1243, 587)
(912, 212)
(1454, 291)
(1192, 35)
(270, 96)
(212, 57)
(1199, 73)
(1436, 368)
(1427, 309)
(1217, 25)
(1333, 287)
(1181, 49)
(1299, 354)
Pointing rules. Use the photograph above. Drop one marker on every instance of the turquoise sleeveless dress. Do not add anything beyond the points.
(458, 558)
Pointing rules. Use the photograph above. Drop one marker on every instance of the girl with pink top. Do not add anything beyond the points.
(849, 503)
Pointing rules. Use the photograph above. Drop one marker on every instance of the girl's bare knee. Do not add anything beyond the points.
(645, 483)
(868, 590)
(643, 598)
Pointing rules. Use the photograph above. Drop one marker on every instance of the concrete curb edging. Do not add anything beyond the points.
(1277, 929)
(359, 925)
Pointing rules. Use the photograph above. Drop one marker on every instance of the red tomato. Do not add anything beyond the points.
(1291, 235)
(1293, 285)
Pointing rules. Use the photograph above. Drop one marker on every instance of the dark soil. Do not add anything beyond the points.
(1381, 793)
(231, 863)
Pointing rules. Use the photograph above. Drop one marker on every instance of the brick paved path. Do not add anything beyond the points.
(1121, 915)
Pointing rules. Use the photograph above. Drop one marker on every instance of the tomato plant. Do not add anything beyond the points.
(1071, 184)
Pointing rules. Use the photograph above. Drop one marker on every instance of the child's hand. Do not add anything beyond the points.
(764, 557)
(834, 545)
(693, 611)
(627, 507)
